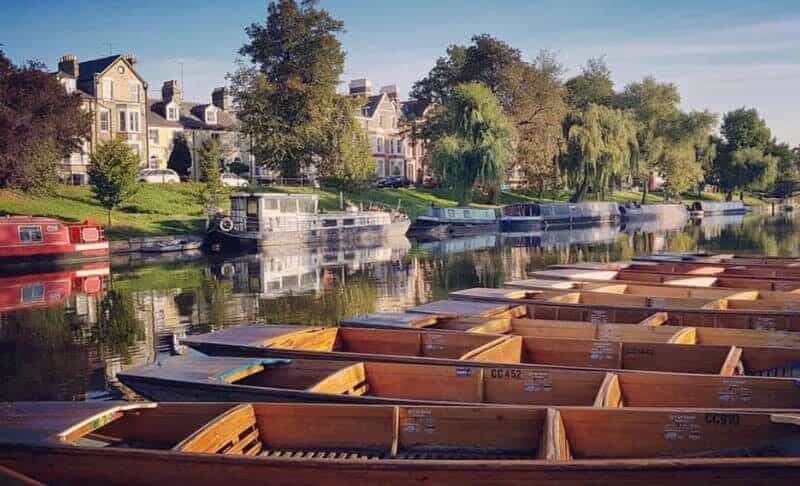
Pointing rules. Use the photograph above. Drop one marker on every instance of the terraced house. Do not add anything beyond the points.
(172, 118)
(115, 95)
(381, 116)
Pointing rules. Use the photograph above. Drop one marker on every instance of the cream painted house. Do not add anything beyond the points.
(381, 116)
(197, 122)
(115, 95)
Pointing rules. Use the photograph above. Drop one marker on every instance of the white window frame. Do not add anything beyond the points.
(123, 120)
(105, 125)
(172, 112)
(31, 230)
(150, 135)
(133, 91)
(379, 145)
(108, 89)
(133, 121)
(211, 116)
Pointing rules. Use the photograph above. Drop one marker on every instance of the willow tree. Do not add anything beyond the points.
(601, 147)
(475, 145)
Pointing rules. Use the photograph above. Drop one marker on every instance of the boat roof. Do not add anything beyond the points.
(400, 320)
(28, 219)
(249, 334)
(199, 368)
(460, 308)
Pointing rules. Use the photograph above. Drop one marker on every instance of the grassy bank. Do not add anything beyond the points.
(173, 209)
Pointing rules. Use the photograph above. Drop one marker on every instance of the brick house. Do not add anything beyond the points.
(382, 116)
(198, 122)
(115, 95)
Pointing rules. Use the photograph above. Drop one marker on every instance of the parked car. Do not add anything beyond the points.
(158, 176)
(232, 180)
(392, 181)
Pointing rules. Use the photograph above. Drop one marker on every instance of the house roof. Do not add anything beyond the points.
(373, 102)
(87, 69)
(192, 117)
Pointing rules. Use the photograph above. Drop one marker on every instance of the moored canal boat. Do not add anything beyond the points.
(28, 242)
(310, 444)
(460, 221)
(701, 209)
(269, 219)
(532, 216)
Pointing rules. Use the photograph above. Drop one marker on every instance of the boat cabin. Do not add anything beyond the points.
(704, 208)
(462, 215)
(255, 212)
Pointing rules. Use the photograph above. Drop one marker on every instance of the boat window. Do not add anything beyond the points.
(328, 222)
(289, 206)
(32, 293)
(451, 213)
(30, 234)
(467, 214)
(348, 222)
(270, 204)
(237, 203)
(252, 207)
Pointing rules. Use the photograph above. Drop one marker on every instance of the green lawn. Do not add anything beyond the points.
(156, 209)
(172, 209)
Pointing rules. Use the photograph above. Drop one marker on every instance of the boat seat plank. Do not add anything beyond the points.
(504, 349)
(610, 393)
(733, 362)
(687, 335)
(351, 380)
(554, 444)
(234, 432)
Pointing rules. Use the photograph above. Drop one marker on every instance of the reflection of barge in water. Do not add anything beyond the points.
(271, 219)
(460, 245)
(556, 238)
(278, 271)
(53, 288)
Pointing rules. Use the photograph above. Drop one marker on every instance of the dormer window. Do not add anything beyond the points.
(172, 112)
(211, 116)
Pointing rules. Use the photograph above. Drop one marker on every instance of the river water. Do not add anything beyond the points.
(65, 336)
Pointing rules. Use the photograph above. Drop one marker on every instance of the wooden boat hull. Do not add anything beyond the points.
(65, 465)
(304, 444)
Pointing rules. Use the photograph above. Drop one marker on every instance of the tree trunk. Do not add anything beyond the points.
(109, 216)
(644, 191)
(580, 193)
(741, 195)
(729, 195)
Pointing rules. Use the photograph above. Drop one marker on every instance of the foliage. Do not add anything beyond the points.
(744, 128)
(349, 156)
(239, 168)
(285, 93)
(117, 329)
(476, 146)
(592, 86)
(742, 160)
(530, 93)
(601, 146)
(39, 120)
(41, 169)
(180, 159)
(213, 191)
(112, 174)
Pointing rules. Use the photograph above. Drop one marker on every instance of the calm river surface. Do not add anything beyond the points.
(66, 336)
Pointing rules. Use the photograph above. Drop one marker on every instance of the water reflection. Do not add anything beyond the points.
(66, 336)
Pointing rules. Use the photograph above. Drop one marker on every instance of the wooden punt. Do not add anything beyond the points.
(621, 275)
(569, 305)
(533, 343)
(727, 258)
(757, 271)
(311, 444)
(206, 378)
(655, 290)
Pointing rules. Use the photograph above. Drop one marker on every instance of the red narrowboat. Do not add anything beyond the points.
(52, 288)
(31, 241)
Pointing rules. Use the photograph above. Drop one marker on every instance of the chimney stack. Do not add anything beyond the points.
(360, 87)
(391, 91)
(222, 99)
(68, 64)
(171, 91)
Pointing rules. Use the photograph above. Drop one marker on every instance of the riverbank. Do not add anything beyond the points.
(173, 209)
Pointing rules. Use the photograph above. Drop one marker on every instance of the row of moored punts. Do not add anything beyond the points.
(669, 369)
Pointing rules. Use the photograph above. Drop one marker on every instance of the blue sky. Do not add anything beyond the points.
(723, 54)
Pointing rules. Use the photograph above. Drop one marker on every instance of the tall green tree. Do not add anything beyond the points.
(295, 62)
(601, 146)
(529, 92)
(476, 146)
(744, 128)
(349, 159)
(592, 86)
(213, 191)
(40, 123)
(112, 174)
(742, 162)
(180, 158)
(655, 106)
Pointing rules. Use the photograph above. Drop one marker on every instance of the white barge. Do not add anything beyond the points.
(270, 219)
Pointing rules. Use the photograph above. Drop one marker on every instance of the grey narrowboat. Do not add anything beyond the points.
(700, 209)
(532, 216)
(269, 219)
(460, 221)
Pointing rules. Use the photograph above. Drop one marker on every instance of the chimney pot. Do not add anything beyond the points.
(68, 64)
